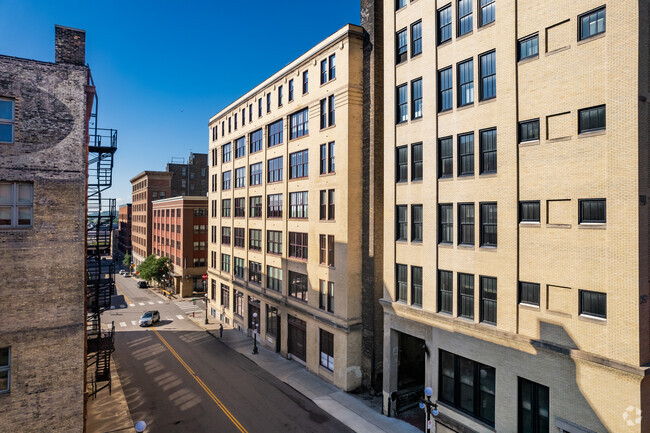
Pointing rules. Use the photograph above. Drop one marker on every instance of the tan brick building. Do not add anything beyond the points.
(516, 228)
(286, 209)
(125, 219)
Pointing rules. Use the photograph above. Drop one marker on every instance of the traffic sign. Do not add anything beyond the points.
(204, 276)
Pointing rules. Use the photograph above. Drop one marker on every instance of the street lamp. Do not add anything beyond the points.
(254, 333)
(206, 302)
(430, 407)
(140, 426)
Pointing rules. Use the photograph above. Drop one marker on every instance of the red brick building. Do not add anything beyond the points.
(124, 237)
(179, 228)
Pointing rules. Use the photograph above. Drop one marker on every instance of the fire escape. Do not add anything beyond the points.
(100, 283)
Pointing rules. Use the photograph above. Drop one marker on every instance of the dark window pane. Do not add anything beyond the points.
(416, 161)
(591, 119)
(529, 211)
(592, 23)
(466, 83)
(465, 21)
(529, 130)
(466, 154)
(445, 90)
(488, 145)
(487, 71)
(444, 24)
(593, 211)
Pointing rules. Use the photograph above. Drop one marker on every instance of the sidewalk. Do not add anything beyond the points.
(109, 413)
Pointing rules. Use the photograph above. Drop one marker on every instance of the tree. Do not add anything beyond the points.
(154, 269)
(127, 260)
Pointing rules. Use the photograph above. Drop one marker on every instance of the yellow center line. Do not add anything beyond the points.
(200, 382)
(122, 293)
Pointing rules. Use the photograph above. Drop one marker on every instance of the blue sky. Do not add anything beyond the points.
(162, 69)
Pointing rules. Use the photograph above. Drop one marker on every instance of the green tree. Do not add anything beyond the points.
(127, 259)
(154, 269)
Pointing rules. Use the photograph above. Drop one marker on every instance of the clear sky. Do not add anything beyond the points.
(163, 68)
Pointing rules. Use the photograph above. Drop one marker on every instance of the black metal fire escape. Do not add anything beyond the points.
(100, 282)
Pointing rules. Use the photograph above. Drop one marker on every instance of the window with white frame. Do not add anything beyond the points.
(16, 204)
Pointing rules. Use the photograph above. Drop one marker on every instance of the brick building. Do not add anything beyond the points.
(517, 225)
(124, 229)
(179, 232)
(191, 178)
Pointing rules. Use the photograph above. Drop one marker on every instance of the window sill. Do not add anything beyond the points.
(529, 143)
(592, 319)
(297, 259)
(487, 175)
(592, 133)
(558, 50)
(298, 138)
(465, 176)
(446, 178)
(402, 241)
(558, 313)
(464, 35)
(592, 38)
(558, 139)
(492, 248)
(402, 123)
(445, 112)
(488, 25)
(466, 246)
(592, 226)
(327, 174)
(416, 242)
(530, 224)
(416, 181)
(463, 413)
(416, 119)
(465, 107)
(416, 306)
(326, 266)
(530, 307)
(447, 245)
(528, 60)
(298, 178)
(327, 127)
(487, 101)
(328, 81)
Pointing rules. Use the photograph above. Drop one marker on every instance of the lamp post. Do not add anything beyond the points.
(254, 333)
(430, 407)
(206, 302)
(140, 426)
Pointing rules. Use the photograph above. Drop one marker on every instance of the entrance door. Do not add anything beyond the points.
(297, 338)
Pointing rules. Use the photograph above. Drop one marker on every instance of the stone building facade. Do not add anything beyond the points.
(124, 229)
(191, 178)
(44, 113)
(516, 216)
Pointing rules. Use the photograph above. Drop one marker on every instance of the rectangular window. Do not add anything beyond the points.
(299, 164)
(466, 83)
(591, 119)
(273, 242)
(466, 154)
(416, 98)
(7, 119)
(275, 133)
(445, 292)
(330, 205)
(323, 71)
(592, 211)
(444, 24)
(229, 125)
(323, 205)
(326, 350)
(416, 285)
(322, 257)
(298, 284)
(274, 171)
(488, 73)
(225, 235)
(488, 143)
(255, 203)
(465, 22)
(16, 204)
(401, 44)
(533, 407)
(466, 224)
(401, 272)
(225, 296)
(299, 124)
(330, 157)
(272, 320)
(528, 47)
(255, 240)
(402, 164)
(274, 206)
(331, 116)
(399, 4)
(255, 140)
(445, 90)
(255, 272)
(332, 67)
(330, 250)
(416, 223)
(402, 109)
(226, 152)
(240, 177)
(225, 263)
(489, 300)
(416, 161)
(291, 90)
(268, 102)
(416, 38)
(239, 303)
(487, 12)
(240, 237)
(401, 229)
(225, 180)
(250, 112)
(240, 147)
(592, 23)
(466, 295)
(593, 304)
(259, 107)
(240, 207)
(298, 245)
(240, 266)
(5, 370)
(279, 96)
(446, 157)
(529, 293)
(274, 278)
(323, 113)
(446, 233)
(256, 171)
(529, 211)
(529, 130)
(235, 121)
(225, 208)
(298, 202)
(488, 224)
(305, 82)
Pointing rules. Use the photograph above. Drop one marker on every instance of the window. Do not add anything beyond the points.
(299, 164)
(466, 154)
(250, 112)
(291, 90)
(399, 4)
(416, 223)
(255, 240)
(274, 172)
(5, 368)
(298, 284)
(6, 125)
(488, 144)
(444, 24)
(529, 293)
(259, 107)
(225, 296)
(256, 174)
(528, 47)
(323, 113)
(401, 44)
(326, 299)
(326, 350)
(466, 83)
(445, 292)
(16, 204)
(275, 133)
(466, 296)
(279, 96)
(240, 266)
(240, 237)
(225, 208)
(225, 180)
(593, 304)
(255, 272)
(533, 407)
(240, 207)
(226, 152)
(529, 211)
(240, 177)
(446, 157)
(466, 224)
(229, 125)
(298, 245)
(488, 72)
(273, 242)
(401, 230)
(268, 102)
(332, 67)
(402, 164)
(402, 284)
(239, 303)
(591, 119)
(445, 90)
(416, 38)
(486, 13)
(446, 231)
(330, 205)
(465, 22)
(402, 104)
(592, 23)
(255, 206)
(416, 161)
(240, 147)
(274, 279)
(298, 202)
(330, 250)
(331, 117)
(416, 98)
(323, 71)
(235, 121)
(327, 158)
(592, 211)
(488, 224)
(255, 140)
(225, 263)
(467, 385)
(322, 258)
(272, 320)
(488, 300)
(274, 206)
(529, 130)
(225, 235)
(299, 123)
(305, 82)
(416, 285)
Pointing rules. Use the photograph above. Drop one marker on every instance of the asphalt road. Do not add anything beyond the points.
(178, 378)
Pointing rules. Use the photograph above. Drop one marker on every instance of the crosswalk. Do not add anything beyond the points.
(189, 308)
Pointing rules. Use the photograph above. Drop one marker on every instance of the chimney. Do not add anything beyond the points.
(69, 46)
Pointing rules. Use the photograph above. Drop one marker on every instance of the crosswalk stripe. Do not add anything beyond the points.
(160, 302)
(131, 305)
(133, 322)
(150, 303)
(168, 318)
(180, 317)
(123, 324)
(140, 303)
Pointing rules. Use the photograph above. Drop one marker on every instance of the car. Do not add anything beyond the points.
(122, 272)
(149, 318)
(142, 285)
(127, 275)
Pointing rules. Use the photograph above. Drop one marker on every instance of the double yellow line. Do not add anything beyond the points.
(203, 385)
(122, 293)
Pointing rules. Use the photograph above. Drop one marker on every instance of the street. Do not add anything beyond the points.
(179, 378)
